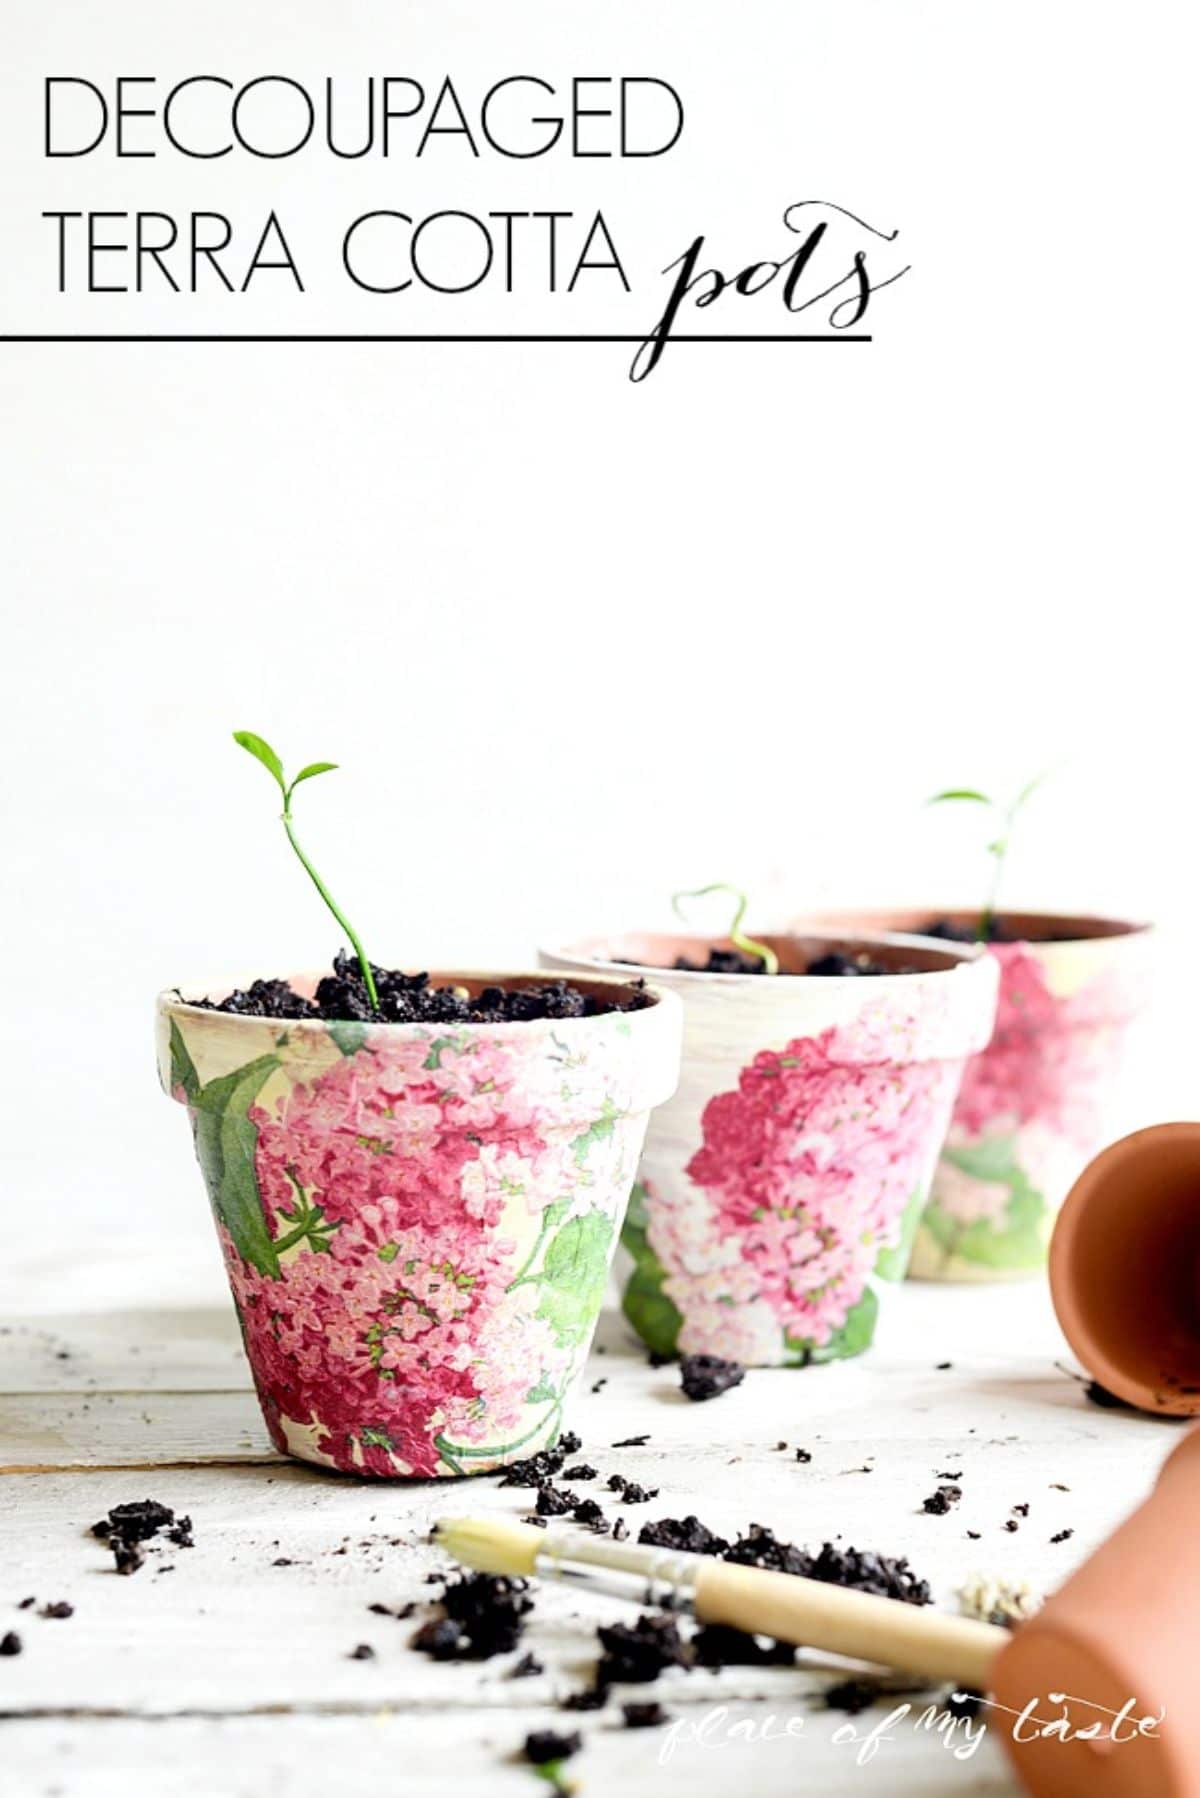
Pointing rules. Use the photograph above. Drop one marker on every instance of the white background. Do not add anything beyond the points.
(576, 642)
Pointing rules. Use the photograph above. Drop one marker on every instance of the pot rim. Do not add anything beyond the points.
(170, 1002)
(1089, 926)
(954, 957)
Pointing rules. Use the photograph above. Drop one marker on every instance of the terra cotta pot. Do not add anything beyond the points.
(1035, 1105)
(786, 1177)
(1113, 1654)
(1125, 1269)
(417, 1220)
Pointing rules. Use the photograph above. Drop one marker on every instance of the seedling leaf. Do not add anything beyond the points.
(1028, 791)
(1006, 817)
(747, 944)
(308, 773)
(261, 750)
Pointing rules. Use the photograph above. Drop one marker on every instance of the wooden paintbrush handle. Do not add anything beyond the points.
(908, 1638)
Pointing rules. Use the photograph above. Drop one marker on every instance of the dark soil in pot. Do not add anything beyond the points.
(341, 997)
(843, 959)
(1014, 927)
(733, 961)
(954, 930)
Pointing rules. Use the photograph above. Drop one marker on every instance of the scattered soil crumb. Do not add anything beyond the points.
(129, 1556)
(555, 1504)
(708, 1376)
(591, 1698)
(852, 1695)
(631, 1493)
(636, 1653)
(649, 1715)
(545, 1745)
(1096, 1394)
(720, 1645)
(588, 1513)
(686, 1533)
(484, 1616)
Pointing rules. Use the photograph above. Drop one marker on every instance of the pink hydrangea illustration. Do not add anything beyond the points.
(803, 1177)
(1051, 1059)
(399, 1320)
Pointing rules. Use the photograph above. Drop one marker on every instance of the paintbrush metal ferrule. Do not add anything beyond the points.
(656, 1577)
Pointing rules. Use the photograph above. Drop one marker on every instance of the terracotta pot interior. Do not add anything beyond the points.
(1024, 926)
(794, 952)
(1131, 1277)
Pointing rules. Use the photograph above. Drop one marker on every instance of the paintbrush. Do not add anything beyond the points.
(907, 1638)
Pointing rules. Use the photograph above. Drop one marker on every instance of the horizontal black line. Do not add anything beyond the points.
(330, 337)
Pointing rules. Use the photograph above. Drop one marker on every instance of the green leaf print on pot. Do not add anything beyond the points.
(645, 1304)
(226, 1140)
(892, 1263)
(600, 1131)
(184, 1077)
(1014, 1238)
(854, 1336)
(225, 1145)
(349, 1036)
(573, 1276)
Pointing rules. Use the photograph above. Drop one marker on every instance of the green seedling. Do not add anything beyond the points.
(261, 750)
(1005, 817)
(746, 944)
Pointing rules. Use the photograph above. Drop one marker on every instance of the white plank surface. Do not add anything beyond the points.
(229, 1674)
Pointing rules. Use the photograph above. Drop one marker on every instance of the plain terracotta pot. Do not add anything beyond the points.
(1125, 1269)
(779, 1189)
(1036, 1104)
(418, 1219)
(1123, 1632)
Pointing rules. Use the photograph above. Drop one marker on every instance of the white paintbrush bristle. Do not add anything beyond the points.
(491, 1544)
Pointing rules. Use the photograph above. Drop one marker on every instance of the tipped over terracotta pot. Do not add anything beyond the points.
(783, 1183)
(418, 1219)
(1037, 1102)
(1125, 1269)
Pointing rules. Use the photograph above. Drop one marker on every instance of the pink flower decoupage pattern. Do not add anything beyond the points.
(1048, 1055)
(807, 1172)
(1029, 1113)
(409, 1193)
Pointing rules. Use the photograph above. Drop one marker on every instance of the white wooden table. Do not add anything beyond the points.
(230, 1674)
